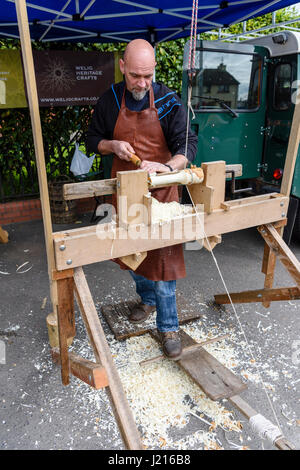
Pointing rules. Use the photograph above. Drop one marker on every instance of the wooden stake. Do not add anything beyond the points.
(66, 323)
(102, 352)
(268, 268)
(187, 349)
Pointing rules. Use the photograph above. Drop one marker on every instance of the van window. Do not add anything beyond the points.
(282, 87)
(232, 78)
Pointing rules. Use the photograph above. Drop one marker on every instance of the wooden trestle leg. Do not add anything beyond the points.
(275, 248)
(268, 268)
(102, 353)
(103, 372)
(92, 373)
(66, 322)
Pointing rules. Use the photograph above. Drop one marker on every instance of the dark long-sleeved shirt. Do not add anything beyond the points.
(171, 113)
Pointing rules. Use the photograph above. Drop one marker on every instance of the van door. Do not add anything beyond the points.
(228, 100)
(282, 71)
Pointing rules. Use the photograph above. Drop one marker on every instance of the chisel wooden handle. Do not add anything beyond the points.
(135, 159)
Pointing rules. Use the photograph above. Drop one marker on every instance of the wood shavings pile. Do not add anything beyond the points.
(163, 398)
(165, 402)
(170, 411)
(166, 211)
(157, 395)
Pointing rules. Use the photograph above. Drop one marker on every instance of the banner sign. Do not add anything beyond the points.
(70, 78)
(12, 89)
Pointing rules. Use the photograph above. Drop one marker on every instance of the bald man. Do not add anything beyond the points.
(147, 118)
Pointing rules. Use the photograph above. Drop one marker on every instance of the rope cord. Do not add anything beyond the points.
(193, 40)
(192, 52)
(235, 312)
(264, 428)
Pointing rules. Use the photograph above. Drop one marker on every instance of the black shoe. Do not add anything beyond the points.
(141, 312)
(171, 344)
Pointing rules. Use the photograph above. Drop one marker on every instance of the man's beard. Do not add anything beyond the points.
(139, 95)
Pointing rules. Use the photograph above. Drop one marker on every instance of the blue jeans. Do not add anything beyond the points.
(162, 294)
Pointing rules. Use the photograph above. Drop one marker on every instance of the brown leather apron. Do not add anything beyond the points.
(143, 131)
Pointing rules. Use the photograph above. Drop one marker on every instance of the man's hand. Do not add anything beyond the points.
(178, 162)
(122, 149)
(154, 167)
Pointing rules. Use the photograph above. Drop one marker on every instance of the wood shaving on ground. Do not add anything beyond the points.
(18, 270)
(158, 394)
(170, 410)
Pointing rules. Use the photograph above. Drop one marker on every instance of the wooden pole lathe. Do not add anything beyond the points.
(62, 285)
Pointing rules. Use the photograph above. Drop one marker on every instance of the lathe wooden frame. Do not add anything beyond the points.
(82, 246)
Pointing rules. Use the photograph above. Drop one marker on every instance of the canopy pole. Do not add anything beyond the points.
(38, 140)
(292, 151)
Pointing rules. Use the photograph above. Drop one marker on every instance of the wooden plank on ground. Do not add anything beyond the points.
(116, 316)
(259, 295)
(185, 350)
(102, 352)
(212, 377)
(89, 372)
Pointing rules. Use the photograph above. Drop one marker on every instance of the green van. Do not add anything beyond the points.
(242, 104)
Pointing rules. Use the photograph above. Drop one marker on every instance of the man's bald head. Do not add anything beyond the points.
(139, 48)
(138, 67)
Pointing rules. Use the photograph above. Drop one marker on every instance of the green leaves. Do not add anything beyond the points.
(62, 127)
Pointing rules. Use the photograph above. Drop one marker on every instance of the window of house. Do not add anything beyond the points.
(233, 78)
